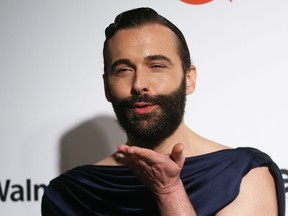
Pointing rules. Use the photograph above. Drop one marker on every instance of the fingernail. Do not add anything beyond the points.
(120, 155)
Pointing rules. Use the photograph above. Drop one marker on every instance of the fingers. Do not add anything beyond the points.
(126, 152)
(122, 147)
(132, 156)
(134, 150)
(177, 154)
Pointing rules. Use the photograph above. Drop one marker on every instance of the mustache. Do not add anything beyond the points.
(128, 102)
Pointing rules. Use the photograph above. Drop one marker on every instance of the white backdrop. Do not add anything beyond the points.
(53, 113)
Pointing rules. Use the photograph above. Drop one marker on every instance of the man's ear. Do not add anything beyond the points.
(106, 87)
(190, 80)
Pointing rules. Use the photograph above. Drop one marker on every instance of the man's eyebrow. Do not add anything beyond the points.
(159, 57)
(121, 61)
(147, 58)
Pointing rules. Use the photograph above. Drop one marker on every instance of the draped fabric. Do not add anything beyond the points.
(212, 181)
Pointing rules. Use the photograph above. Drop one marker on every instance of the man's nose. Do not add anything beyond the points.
(140, 82)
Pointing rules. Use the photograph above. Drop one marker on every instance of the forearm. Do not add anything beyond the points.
(175, 202)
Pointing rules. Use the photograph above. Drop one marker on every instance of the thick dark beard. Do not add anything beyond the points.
(157, 125)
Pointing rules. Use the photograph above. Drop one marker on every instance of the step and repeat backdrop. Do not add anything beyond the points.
(53, 112)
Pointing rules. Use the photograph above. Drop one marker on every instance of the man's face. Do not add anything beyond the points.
(153, 125)
(145, 81)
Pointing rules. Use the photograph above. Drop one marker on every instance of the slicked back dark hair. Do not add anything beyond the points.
(143, 16)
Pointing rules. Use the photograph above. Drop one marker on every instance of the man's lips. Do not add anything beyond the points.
(142, 107)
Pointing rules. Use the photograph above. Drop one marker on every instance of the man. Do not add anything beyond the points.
(164, 168)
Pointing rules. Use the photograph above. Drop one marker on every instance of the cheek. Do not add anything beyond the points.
(119, 90)
(166, 84)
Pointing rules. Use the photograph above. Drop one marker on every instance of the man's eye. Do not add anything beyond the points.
(158, 66)
(123, 71)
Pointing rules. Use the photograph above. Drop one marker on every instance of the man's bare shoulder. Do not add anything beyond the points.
(257, 195)
(203, 146)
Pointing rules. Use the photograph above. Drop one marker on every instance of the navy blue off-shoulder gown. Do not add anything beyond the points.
(212, 181)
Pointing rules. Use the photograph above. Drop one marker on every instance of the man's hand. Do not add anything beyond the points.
(158, 172)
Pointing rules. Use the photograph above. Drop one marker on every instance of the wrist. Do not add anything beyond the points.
(171, 189)
(174, 201)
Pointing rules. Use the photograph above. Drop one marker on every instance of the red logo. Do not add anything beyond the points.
(195, 2)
